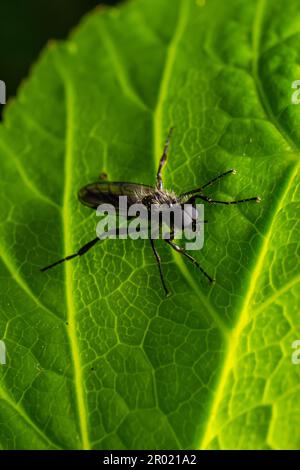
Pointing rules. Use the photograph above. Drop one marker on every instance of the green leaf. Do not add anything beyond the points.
(97, 357)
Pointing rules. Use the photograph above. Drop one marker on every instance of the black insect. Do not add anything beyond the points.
(104, 192)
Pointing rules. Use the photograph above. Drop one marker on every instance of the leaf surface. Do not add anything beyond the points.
(97, 357)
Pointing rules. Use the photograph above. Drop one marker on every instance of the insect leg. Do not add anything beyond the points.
(85, 248)
(192, 201)
(80, 252)
(240, 201)
(217, 178)
(159, 183)
(157, 257)
(181, 250)
(210, 183)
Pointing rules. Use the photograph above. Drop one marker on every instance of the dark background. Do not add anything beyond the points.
(25, 28)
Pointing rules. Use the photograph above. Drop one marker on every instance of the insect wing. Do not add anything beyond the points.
(95, 194)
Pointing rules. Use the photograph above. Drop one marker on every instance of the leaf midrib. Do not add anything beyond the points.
(68, 248)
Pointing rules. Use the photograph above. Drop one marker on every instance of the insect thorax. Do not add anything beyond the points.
(159, 197)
